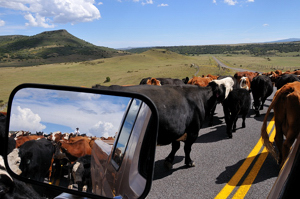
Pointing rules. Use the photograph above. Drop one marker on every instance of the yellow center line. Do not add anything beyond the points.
(229, 187)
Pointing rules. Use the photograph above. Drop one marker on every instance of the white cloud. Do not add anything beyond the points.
(230, 2)
(2, 23)
(46, 13)
(147, 2)
(25, 119)
(264, 25)
(100, 3)
(103, 129)
(163, 5)
(215, 1)
(250, 0)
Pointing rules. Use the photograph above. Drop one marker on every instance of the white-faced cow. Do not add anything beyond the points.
(182, 110)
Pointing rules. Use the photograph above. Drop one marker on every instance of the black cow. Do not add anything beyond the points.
(237, 103)
(262, 88)
(284, 79)
(182, 110)
(164, 81)
(81, 173)
(36, 156)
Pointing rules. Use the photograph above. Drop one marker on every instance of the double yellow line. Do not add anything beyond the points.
(245, 186)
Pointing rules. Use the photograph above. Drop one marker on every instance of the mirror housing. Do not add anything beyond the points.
(120, 161)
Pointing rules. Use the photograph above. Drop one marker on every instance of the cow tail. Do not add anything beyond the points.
(264, 133)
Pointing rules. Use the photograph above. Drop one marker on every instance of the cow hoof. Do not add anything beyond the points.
(233, 130)
(230, 136)
(168, 165)
(190, 164)
(243, 125)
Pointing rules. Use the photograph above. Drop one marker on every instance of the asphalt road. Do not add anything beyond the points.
(237, 69)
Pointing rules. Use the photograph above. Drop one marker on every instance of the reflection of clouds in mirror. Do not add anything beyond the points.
(71, 109)
(104, 127)
(25, 119)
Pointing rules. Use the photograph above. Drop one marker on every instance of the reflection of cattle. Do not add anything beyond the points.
(75, 149)
(262, 88)
(36, 156)
(286, 105)
(284, 79)
(20, 140)
(186, 114)
(237, 103)
(81, 173)
(11, 188)
(162, 81)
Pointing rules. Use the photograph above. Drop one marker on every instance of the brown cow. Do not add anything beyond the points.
(200, 81)
(286, 105)
(153, 81)
(250, 75)
(76, 149)
(211, 76)
(20, 140)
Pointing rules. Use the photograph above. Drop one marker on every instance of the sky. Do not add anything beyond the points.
(53, 110)
(144, 23)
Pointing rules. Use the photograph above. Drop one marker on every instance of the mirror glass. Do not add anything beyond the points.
(51, 130)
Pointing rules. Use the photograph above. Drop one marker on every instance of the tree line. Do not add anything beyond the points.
(251, 49)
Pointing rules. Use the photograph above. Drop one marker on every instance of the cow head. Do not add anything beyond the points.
(221, 88)
(14, 161)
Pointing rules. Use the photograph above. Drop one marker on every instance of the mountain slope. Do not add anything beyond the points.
(50, 47)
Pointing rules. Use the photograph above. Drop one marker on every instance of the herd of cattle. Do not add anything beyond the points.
(182, 106)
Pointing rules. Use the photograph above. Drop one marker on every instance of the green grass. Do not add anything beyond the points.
(284, 61)
(122, 70)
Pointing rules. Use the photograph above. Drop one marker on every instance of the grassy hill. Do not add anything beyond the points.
(49, 47)
(121, 70)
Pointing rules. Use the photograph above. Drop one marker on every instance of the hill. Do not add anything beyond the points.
(49, 47)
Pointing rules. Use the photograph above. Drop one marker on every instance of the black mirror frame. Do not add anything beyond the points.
(144, 98)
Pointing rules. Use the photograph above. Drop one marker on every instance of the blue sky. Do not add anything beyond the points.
(138, 23)
(50, 111)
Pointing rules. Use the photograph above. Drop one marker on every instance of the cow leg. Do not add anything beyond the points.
(211, 115)
(278, 141)
(169, 160)
(291, 136)
(262, 104)
(187, 150)
(244, 121)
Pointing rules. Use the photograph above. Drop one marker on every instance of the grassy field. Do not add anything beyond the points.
(130, 69)
(284, 61)
(123, 70)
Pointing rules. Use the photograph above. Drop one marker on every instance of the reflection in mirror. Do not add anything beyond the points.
(54, 132)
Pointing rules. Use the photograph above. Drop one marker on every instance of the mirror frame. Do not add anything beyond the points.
(145, 99)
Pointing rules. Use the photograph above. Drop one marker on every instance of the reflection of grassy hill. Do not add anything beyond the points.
(48, 47)
(121, 70)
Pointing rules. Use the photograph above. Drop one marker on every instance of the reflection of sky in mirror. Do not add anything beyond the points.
(51, 110)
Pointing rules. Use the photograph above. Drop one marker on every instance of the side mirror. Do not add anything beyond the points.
(81, 141)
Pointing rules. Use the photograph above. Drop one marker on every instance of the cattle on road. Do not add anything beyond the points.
(237, 103)
(262, 88)
(180, 119)
(286, 105)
